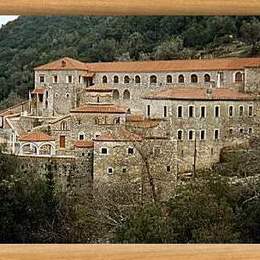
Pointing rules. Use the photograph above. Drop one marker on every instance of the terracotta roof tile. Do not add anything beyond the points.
(199, 94)
(64, 64)
(36, 137)
(120, 135)
(154, 66)
(39, 90)
(84, 144)
(100, 108)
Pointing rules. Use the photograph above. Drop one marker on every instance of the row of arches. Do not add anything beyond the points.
(169, 78)
(126, 94)
(37, 149)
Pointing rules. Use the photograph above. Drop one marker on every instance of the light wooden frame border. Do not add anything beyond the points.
(130, 7)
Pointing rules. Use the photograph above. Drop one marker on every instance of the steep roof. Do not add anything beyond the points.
(36, 137)
(64, 64)
(84, 144)
(120, 135)
(199, 94)
(154, 66)
(100, 108)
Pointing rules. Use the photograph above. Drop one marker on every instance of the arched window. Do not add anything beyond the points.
(181, 79)
(126, 79)
(104, 79)
(126, 94)
(63, 126)
(169, 79)
(206, 78)
(116, 79)
(153, 79)
(115, 94)
(81, 136)
(194, 78)
(180, 134)
(137, 79)
(238, 77)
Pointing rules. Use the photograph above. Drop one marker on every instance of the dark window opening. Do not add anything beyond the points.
(181, 79)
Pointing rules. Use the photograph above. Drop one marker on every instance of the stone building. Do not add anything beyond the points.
(184, 112)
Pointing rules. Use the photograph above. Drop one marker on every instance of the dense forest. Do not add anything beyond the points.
(30, 41)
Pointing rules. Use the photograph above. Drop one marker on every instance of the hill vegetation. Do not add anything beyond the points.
(30, 41)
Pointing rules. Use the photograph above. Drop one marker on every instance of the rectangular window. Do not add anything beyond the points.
(62, 141)
(168, 168)
(203, 112)
(241, 111)
(250, 111)
(191, 135)
(179, 112)
(42, 79)
(217, 111)
(191, 111)
(148, 110)
(165, 114)
(55, 79)
(241, 130)
(69, 79)
(230, 131)
(104, 150)
(110, 170)
(231, 111)
(130, 150)
(179, 134)
(250, 130)
(216, 134)
(202, 134)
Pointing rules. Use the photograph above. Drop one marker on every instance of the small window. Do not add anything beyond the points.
(202, 134)
(191, 111)
(194, 78)
(165, 111)
(81, 136)
(70, 79)
(180, 134)
(241, 111)
(250, 130)
(169, 79)
(124, 170)
(153, 79)
(203, 112)
(130, 150)
(63, 126)
(238, 77)
(217, 111)
(241, 130)
(115, 94)
(216, 134)
(116, 79)
(55, 79)
(231, 111)
(179, 112)
(110, 170)
(137, 79)
(104, 150)
(168, 168)
(181, 79)
(104, 79)
(230, 131)
(126, 80)
(206, 78)
(250, 111)
(42, 79)
(148, 111)
(211, 151)
(126, 94)
(67, 95)
(191, 135)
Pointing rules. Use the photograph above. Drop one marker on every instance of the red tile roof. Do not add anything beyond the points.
(154, 66)
(199, 94)
(100, 108)
(84, 144)
(120, 135)
(36, 137)
(64, 64)
(39, 91)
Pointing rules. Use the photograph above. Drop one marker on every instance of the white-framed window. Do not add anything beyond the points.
(148, 110)
(55, 79)
(69, 79)
(180, 111)
(238, 77)
(104, 79)
(81, 136)
(42, 78)
(191, 111)
(202, 112)
(67, 95)
(110, 170)
(250, 110)
(194, 78)
(116, 79)
(104, 150)
(165, 111)
(203, 134)
(137, 79)
(180, 134)
(153, 79)
(217, 111)
(231, 111)
(241, 111)
(191, 135)
(169, 79)
(216, 134)
(130, 150)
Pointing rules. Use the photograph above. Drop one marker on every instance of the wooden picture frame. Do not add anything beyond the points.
(130, 7)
